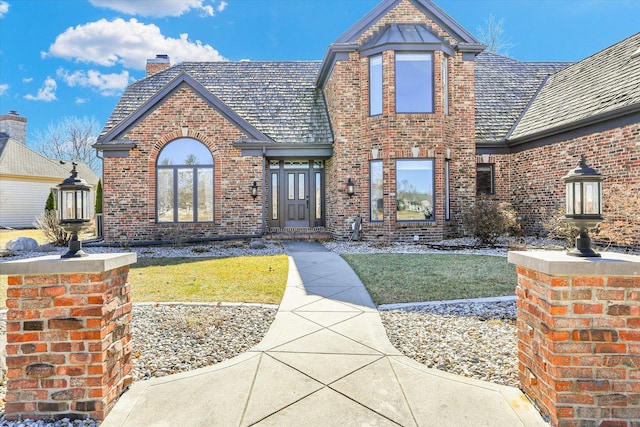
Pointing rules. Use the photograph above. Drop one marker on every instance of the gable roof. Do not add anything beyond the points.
(466, 42)
(503, 89)
(603, 86)
(19, 160)
(427, 7)
(269, 101)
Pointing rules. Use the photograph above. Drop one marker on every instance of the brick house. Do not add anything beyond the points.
(405, 106)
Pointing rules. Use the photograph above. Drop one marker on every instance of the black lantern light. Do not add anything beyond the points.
(350, 188)
(254, 190)
(583, 205)
(73, 207)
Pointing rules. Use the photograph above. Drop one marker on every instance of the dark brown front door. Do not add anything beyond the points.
(296, 203)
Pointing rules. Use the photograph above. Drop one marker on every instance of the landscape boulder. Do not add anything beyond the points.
(22, 244)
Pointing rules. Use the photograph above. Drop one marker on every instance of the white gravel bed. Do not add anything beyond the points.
(476, 340)
(172, 338)
(204, 250)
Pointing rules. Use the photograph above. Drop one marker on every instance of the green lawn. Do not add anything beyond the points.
(259, 279)
(389, 278)
(399, 278)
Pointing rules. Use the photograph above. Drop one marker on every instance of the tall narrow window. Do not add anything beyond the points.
(484, 179)
(447, 190)
(445, 85)
(377, 190)
(414, 82)
(274, 195)
(184, 182)
(375, 85)
(414, 190)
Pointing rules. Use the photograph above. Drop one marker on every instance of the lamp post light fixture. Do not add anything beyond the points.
(583, 205)
(350, 188)
(73, 206)
(254, 190)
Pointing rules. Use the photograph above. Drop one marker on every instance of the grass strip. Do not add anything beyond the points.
(400, 278)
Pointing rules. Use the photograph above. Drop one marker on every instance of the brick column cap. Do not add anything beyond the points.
(558, 263)
(53, 264)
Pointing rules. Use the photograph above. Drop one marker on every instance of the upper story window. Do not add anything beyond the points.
(375, 85)
(445, 85)
(184, 182)
(414, 82)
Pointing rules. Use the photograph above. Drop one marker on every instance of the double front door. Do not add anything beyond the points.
(296, 193)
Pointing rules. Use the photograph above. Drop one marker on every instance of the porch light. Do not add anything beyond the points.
(350, 188)
(254, 190)
(73, 205)
(583, 205)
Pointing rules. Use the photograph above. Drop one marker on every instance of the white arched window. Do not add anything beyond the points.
(184, 182)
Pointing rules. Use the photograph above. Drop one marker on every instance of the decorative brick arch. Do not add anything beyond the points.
(169, 138)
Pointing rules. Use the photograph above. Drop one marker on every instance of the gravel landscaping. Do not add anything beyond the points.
(476, 340)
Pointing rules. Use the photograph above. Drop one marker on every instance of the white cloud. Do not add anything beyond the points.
(27, 80)
(222, 6)
(106, 84)
(155, 8)
(46, 93)
(80, 101)
(3, 88)
(129, 43)
(4, 8)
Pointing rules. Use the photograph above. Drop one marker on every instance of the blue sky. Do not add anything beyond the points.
(62, 58)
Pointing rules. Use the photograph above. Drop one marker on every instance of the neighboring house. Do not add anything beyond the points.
(26, 177)
(405, 106)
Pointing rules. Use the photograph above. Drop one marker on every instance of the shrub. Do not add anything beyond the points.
(98, 209)
(48, 222)
(621, 225)
(557, 227)
(487, 219)
(51, 202)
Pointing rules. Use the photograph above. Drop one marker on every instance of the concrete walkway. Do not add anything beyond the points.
(326, 361)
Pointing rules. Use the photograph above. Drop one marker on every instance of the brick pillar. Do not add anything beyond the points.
(68, 335)
(579, 336)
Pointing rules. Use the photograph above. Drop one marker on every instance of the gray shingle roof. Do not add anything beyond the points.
(600, 84)
(279, 99)
(504, 87)
(19, 160)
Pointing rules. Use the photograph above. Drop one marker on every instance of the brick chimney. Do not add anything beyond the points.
(14, 126)
(157, 64)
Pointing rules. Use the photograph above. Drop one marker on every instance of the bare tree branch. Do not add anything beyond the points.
(71, 139)
(492, 35)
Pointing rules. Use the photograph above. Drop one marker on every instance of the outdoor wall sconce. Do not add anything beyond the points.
(254, 190)
(73, 208)
(583, 205)
(350, 188)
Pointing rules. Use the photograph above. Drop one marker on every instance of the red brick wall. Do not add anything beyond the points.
(536, 188)
(579, 347)
(129, 182)
(356, 133)
(68, 344)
